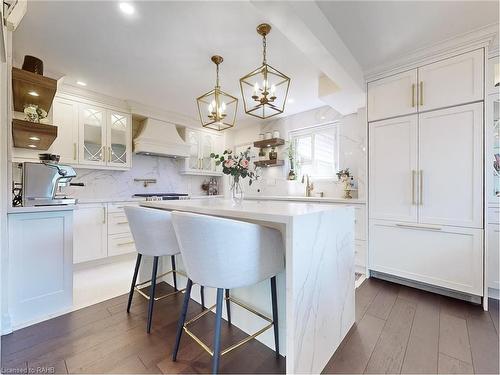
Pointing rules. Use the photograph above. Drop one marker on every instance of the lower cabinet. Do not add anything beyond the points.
(448, 257)
(40, 281)
(90, 233)
(101, 230)
(493, 258)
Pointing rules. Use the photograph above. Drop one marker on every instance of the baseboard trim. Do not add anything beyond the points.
(427, 287)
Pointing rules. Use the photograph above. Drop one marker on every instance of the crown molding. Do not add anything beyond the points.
(479, 38)
(66, 90)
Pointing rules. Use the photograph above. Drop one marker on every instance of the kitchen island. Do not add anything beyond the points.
(316, 292)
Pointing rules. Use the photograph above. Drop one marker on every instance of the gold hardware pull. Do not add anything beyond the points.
(421, 92)
(104, 215)
(413, 95)
(413, 172)
(126, 243)
(74, 151)
(421, 179)
(413, 226)
(122, 222)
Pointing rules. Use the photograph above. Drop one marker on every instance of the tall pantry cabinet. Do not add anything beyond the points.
(426, 173)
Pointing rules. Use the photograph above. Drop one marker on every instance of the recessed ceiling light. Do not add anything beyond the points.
(127, 8)
(32, 146)
(34, 138)
(323, 117)
(81, 83)
(291, 100)
(33, 93)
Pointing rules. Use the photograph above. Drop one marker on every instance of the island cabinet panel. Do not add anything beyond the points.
(449, 257)
(40, 265)
(493, 256)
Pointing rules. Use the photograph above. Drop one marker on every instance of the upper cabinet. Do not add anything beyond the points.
(453, 81)
(393, 96)
(493, 81)
(202, 145)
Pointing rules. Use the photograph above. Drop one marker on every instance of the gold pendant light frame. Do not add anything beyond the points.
(263, 102)
(217, 101)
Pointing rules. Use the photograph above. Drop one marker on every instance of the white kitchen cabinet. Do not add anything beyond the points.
(449, 82)
(392, 96)
(65, 117)
(105, 137)
(492, 168)
(393, 166)
(448, 257)
(453, 81)
(40, 265)
(493, 80)
(451, 166)
(90, 232)
(202, 144)
(493, 256)
(119, 244)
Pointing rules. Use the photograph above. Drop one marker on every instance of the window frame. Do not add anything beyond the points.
(312, 130)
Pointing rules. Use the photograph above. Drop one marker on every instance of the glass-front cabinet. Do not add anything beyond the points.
(493, 159)
(104, 137)
(202, 145)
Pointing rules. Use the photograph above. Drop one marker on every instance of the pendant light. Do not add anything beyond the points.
(216, 108)
(265, 89)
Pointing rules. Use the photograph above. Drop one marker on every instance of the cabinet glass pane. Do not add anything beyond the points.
(193, 150)
(92, 134)
(206, 150)
(119, 131)
(495, 158)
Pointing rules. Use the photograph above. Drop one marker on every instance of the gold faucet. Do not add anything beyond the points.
(309, 185)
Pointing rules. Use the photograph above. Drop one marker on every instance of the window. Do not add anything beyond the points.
(316, 150)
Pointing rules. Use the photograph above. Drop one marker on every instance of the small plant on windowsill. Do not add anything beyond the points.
(290, 150)
(238, 168)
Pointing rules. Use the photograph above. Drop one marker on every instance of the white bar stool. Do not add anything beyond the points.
(153, 235)
(226, 254)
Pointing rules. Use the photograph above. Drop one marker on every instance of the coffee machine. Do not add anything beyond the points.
(41, 183)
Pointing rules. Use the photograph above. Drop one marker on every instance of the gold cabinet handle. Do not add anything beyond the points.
(421, 188)
(413, 172)
(413, 95)
(122, 222)
(415, 226)
(421, 90)
(126, 243)
(74, 151)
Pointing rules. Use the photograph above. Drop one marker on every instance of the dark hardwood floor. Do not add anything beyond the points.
(405, 330)
(398, 330)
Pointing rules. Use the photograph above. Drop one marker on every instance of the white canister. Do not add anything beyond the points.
(276, 134)
(268, 135)
(261, 136)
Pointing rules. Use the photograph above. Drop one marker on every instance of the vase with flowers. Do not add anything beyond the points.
(237, 166)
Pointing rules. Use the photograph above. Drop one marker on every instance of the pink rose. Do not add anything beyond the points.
(229, 163)
(244, 163)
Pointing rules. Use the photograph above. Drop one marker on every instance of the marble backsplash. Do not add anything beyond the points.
(109, 184)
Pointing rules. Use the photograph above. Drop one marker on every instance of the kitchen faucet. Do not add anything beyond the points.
(309, 185)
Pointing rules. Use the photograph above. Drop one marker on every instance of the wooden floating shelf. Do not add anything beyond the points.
(269, 163)
(22, 131)
(24, 82)
(266, 143)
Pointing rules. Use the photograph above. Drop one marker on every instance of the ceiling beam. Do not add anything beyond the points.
(305, 25)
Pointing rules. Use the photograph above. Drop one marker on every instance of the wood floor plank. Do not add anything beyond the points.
(388, 355)
(450, 365)
(383, 302)
(365, 294)
(494, 312)
(422, 351)
(454, 338)
(355, 354)
(483, 340)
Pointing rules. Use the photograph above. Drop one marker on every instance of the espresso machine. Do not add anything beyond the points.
(42, 183)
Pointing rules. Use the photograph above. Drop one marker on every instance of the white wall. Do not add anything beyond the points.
(352, 151)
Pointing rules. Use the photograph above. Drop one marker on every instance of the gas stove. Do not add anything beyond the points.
(162, 196)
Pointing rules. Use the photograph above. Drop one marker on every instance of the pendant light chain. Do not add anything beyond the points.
(264, 45)
(217, 75)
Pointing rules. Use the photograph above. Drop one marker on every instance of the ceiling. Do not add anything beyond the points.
(160, 56)
(377, 32)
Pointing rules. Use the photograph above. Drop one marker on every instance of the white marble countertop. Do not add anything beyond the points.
(134, 199)
(304, 199)
(272, 211)
(22, 210)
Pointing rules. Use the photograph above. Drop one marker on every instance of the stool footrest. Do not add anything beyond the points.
(239, 343)
(138, 288)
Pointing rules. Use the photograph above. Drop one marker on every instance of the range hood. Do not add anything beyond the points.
(161, 139)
